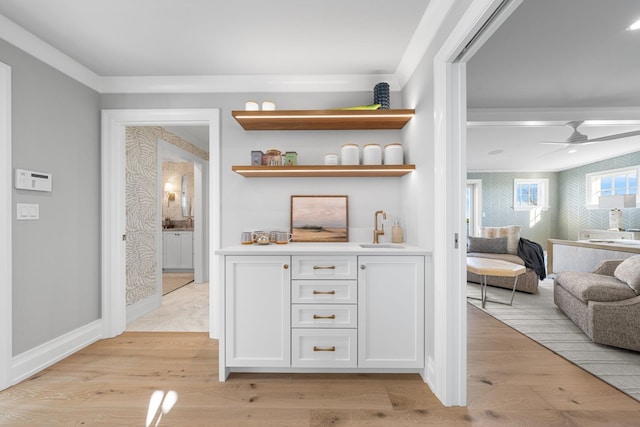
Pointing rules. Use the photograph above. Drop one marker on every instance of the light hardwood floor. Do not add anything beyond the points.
(512, 381)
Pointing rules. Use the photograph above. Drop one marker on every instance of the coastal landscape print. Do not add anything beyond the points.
(319, 219)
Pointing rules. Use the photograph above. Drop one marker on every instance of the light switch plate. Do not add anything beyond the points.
(27, 211)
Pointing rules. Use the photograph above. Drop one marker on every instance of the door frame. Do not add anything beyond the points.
(6, 275)
(476, 207)
(113, 273)
(450, 170)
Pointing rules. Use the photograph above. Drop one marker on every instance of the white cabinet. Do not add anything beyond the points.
(609, 235)
(391, 312)
(323, 313)
(257, 311)
(177, 250)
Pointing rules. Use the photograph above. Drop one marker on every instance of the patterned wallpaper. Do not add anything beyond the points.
(567, 215)
(497, 205)
(173, 172)
(141, 199)
(573, 216)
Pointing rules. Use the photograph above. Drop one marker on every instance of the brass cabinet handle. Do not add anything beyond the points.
(324, 267)
(316, 316)
(324, 349)
(286, 266)
(324, 292)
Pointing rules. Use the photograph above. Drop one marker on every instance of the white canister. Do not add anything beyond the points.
(251, 106)
(268, 106)
(350, 154)
(393, 154)
(331, 159)
(372, 154)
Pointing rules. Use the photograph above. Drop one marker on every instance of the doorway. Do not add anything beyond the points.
(114, 206)
(474, 207)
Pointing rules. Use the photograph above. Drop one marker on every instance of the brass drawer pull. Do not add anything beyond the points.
(316, 316)
(324, 292)
(324, 267)
(324, 349)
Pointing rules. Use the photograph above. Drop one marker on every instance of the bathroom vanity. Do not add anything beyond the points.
(322, 307)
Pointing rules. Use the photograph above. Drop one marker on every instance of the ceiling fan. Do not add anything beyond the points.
(577, 138)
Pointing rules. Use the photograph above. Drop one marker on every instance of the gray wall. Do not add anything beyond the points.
(573, 216)
(497, 205)
(56, 260)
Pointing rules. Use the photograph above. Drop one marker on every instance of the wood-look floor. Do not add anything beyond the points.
(512, 381)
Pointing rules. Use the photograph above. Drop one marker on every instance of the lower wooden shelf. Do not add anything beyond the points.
(324, 171)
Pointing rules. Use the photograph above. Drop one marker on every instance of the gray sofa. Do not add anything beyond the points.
(527, 282)
(603, 303)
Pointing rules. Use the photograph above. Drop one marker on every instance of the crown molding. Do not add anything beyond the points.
(24, 40)
(247, 83)
(530, 116)
(422, 38)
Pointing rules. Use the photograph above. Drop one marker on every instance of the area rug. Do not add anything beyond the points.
(536, 316)
(173, 281)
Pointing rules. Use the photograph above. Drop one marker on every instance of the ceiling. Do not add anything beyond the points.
(552, 62)
(572, 57)
(239, 37)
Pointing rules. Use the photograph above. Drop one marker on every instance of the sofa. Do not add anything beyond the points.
(604, 303)
(501, 243)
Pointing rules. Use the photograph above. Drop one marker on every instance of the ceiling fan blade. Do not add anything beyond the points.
(616, 136)
(554, 142)
(553, 152)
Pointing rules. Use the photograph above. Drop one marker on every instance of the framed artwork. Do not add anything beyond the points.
(319, 219)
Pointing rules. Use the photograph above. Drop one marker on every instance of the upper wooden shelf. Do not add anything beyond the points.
(324, 171)
(323, 119)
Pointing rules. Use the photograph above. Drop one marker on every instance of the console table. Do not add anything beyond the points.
(607, 234)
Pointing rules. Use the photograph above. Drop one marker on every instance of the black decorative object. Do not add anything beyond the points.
(381, 95)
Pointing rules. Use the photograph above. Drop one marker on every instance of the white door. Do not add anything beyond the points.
(391, 312)
(258, 311)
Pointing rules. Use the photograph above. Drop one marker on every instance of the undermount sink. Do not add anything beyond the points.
(381, 245)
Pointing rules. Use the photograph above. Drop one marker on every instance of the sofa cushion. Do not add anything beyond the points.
(505, 257)
(511, 232)
(629, 272)
(593, 287)
(494, 245)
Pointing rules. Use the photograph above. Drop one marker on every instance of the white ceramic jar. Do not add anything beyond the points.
(331, 159)
(393, 154)
(372, 154)
(350, 154)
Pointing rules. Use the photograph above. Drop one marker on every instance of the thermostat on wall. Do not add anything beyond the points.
(30, 180)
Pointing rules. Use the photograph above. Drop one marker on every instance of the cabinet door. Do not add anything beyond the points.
(258, 313)
(171, 250)
(186, 249)
(391, 312)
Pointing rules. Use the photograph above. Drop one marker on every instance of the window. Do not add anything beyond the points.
(530, 194)
(610, 183)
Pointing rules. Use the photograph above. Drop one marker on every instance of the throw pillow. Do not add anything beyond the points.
(511, 232)
(492, 245)
(629, 272)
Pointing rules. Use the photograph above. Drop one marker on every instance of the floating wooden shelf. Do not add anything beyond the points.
(323, 119)
(324, 171)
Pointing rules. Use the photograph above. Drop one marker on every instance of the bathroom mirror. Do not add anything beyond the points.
(183, 190)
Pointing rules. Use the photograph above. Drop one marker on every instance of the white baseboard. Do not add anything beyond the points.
(33, 361)
(140, 308)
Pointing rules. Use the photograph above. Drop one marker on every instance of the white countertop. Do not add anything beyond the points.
(347, 248)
